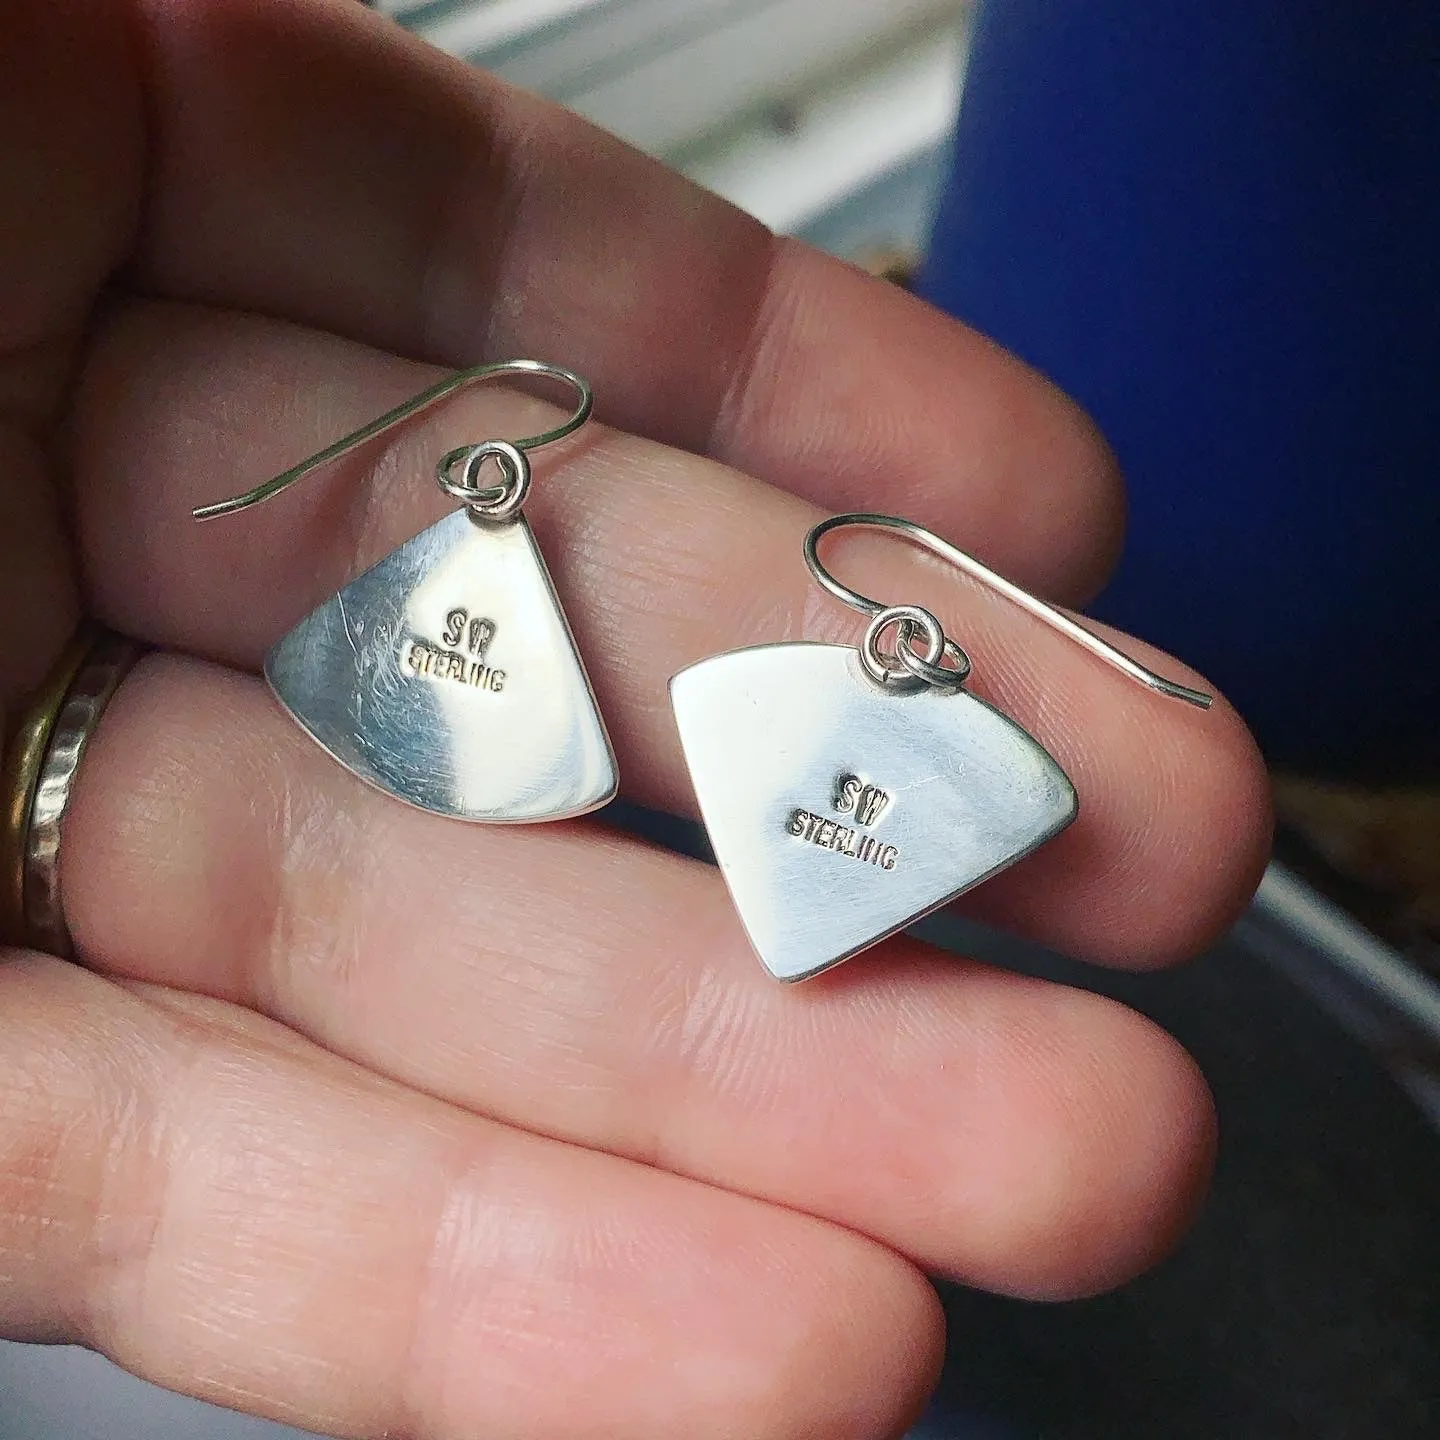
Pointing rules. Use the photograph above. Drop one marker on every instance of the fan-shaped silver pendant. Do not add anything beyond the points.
(840, 813)
(447, 676)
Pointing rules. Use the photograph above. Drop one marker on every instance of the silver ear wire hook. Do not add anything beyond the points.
(911, 621)
(496, 502)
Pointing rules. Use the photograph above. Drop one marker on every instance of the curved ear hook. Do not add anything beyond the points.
(1056, 619)
(442, 390)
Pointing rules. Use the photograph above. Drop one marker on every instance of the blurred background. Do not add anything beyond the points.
(1219, 227)
(825, 120)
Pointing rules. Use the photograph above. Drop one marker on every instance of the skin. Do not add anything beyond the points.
(385, 1126)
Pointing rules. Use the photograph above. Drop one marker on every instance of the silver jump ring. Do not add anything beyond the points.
(953, 667)
(949, 674)
(889, 670)
(487, 502)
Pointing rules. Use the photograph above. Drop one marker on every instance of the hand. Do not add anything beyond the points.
(383, 1125)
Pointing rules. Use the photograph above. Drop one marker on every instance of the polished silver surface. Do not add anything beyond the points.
(448, 677)
(841, 812)
(939, 677)
(109, 660)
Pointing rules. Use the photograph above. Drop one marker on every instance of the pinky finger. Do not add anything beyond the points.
(229, 1211)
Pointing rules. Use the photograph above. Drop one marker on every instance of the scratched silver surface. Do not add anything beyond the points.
(956, 790)
(389, 678)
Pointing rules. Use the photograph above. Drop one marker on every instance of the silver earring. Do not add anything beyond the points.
(446, 675)
(848, 792)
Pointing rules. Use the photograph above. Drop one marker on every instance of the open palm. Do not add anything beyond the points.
(389, 1126)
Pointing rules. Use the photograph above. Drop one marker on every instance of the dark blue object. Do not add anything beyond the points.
(1218, 226)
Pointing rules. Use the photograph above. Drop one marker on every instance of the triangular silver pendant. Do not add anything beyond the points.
(840, 813)
(447, 676)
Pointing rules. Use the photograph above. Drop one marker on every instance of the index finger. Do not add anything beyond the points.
(313, 161)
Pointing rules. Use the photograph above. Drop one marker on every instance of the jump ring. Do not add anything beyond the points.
(890, 670)
(949, 675)
(493, 502)
(943, 668)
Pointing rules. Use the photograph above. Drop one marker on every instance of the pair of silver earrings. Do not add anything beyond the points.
(847, 791)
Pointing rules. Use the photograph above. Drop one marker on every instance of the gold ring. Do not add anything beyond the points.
(41, 761)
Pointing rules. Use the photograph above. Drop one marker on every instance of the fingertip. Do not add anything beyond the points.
(1148, 1184)
(1209, 851)
(1096, 510)
(851, 388)
(1239, 812)
(1112, 1144)
(870, 1365)
(823, 1331)
(1174, 828)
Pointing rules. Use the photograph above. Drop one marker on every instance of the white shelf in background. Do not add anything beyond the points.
(841, 139)
(666, 74)
(474, 31)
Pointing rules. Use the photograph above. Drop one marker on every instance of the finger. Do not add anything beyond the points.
(663, 559)
(70, 180)
(1014, 1134)
(68, 198)
(484, 222)
(38, 605)
(227, 1210)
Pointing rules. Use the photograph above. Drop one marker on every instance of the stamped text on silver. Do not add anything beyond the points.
(459, 656)
(867, 803)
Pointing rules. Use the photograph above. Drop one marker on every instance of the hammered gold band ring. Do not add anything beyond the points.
(42, 758)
